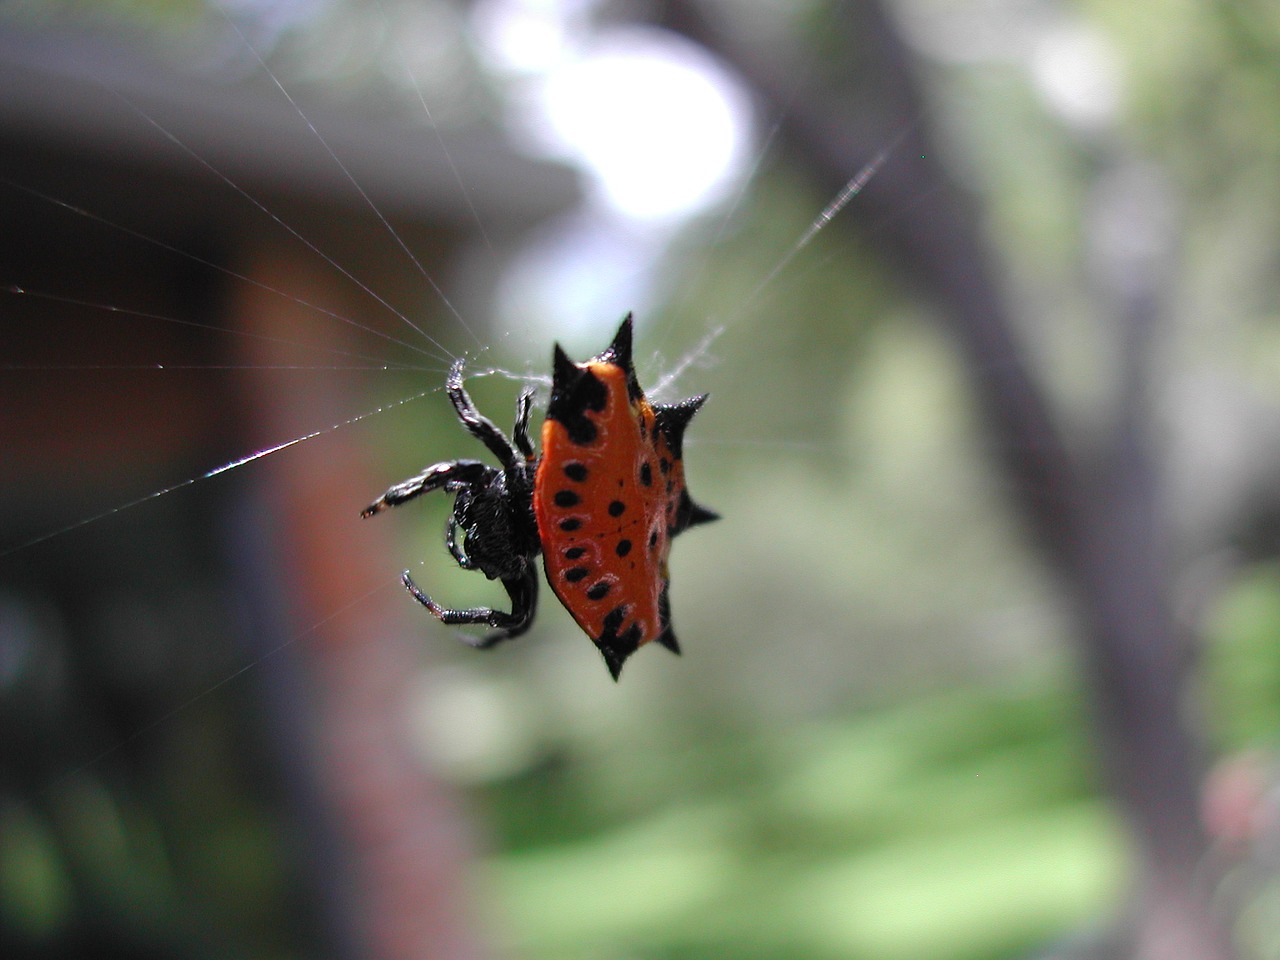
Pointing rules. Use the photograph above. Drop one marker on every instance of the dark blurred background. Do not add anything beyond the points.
(981, 660)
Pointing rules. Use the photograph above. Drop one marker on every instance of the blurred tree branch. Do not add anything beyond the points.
(1096, 514)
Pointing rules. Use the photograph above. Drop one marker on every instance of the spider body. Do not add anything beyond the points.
(601, 503)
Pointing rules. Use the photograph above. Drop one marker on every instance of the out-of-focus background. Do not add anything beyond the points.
(981, 660)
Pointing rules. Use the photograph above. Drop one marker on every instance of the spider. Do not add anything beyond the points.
(602, 504)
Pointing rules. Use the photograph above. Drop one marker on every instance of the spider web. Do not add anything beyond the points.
(773, 437)
(403, 360)
(404, 337)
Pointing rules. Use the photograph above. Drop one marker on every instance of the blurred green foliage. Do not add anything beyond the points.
(960, 825)
(1242, 663)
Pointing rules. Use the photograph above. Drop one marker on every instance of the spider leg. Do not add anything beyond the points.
(479, 426)
(523, 591)
(437, 475)
(455, 548)
(521, 434)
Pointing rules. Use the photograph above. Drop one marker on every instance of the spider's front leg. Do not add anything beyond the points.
(467, 472)
(523, 591)
(524, 404)
(477, 424)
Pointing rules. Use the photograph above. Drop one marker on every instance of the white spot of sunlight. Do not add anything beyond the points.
(528, 36)
(1077, 73)
(658, 128)
(653, 120)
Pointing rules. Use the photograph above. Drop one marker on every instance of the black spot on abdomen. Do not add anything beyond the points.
(574, 391)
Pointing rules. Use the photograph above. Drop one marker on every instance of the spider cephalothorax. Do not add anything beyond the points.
(602, 504)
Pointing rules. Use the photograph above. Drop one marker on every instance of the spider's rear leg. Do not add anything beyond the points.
(455, 545)
(433, 478)
(523, 591)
